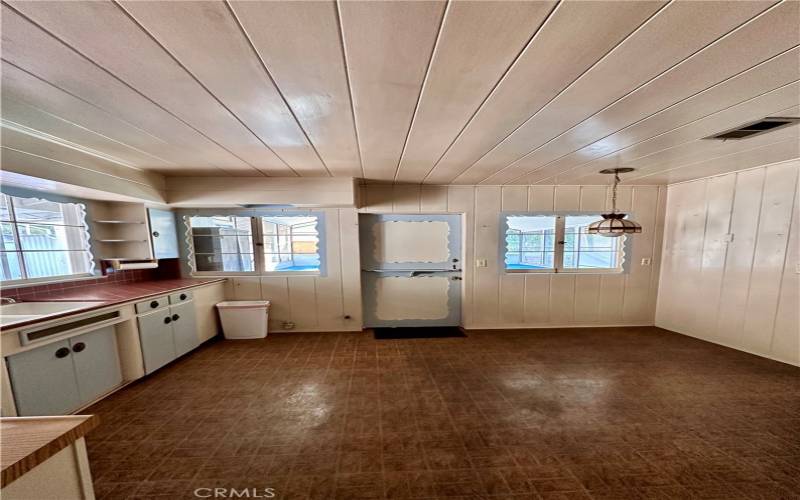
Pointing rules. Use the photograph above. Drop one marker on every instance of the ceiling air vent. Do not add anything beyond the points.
(755, 128)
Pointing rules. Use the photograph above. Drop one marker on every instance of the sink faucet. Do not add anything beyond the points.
(7, 300)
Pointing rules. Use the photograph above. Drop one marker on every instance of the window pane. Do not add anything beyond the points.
(11, 269)
(222, 243)
(47, 212)
(44, 237)
(530, 242)
(4, 213)
(589, 251)
(232, 263)
(8, 237)
(43, 264)
(291, 243)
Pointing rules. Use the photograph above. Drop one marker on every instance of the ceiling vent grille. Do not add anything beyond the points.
(756, 128)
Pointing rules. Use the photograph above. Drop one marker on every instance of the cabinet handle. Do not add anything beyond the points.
(175, 317)
(154, 304)
(183, 296)
(62, 352)
(80, 346)
(167, 320)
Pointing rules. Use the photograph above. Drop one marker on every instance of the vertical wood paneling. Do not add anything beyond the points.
(433, 199)
(487, 230)
(276, 290)
(350, 268)
(512, 286)
(328, 288)
(541, 198)
(745, 292)
(739, 260)
(768, 259)
(303, 301)
(406, 199)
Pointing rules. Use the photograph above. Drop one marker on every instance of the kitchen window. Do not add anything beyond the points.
(43, 240)
(256, 245)
(559, 244)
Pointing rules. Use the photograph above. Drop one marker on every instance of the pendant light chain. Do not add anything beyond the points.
(614, 224)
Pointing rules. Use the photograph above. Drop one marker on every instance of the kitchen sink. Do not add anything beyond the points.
(24, 311)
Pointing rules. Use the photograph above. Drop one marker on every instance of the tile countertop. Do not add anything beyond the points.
(29, 441)
(108, 295)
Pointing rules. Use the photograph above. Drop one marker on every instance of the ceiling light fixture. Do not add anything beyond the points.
(614, 224)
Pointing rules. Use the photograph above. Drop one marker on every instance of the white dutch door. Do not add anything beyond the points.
(411, 270)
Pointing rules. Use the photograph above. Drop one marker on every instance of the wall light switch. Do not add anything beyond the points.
(481, 263)
(728, 238)
(646, 261)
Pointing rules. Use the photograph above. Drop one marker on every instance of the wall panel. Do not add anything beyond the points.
(493, 299)
(734, 279)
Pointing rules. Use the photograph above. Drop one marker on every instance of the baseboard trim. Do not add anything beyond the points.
(552, 326)
(730, 346)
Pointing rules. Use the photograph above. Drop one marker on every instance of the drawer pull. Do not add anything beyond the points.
(154, 304)
(80, 346)
(167, 320)
(175, 317)
(183, 296)
(63, 352)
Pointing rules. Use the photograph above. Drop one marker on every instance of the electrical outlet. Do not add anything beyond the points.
(481, 263)
(288, 325)
(646, 261)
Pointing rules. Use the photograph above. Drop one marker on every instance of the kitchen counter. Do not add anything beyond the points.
(108, 295)
(30, 441)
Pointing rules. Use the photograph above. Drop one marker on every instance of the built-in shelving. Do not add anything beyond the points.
(121, 229)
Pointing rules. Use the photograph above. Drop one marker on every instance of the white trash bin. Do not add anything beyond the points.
(244, 319)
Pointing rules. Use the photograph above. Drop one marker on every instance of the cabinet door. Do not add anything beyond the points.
(184, 324)
(163, 233)
(155, 334)
(43, 380)
(96, 362)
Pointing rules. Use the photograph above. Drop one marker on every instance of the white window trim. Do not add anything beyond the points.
(258, 245)
(558, 256)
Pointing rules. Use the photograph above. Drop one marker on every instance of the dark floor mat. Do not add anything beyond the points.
(418, 332)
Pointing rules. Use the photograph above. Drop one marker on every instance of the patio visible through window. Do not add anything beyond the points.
(291, 243)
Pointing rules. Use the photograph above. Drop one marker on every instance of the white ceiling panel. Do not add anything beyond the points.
(107, 36)
(675, 33)
(300, 43)
(423, 92)
(388, 46)
(206, 39)
(478, 43)
(575, 37)
(769, 34)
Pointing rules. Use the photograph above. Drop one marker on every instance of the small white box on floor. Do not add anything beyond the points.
(244, 319)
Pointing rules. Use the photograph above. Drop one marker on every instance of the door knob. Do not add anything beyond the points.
(80, 346)
(62, 352)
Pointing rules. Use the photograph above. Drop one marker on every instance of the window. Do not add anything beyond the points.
(43, 239)
(284, 243)
(222, 244)
(555, 243)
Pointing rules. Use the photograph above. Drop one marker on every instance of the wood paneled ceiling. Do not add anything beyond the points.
(535, 92)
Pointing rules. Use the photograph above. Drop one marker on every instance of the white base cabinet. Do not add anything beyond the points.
(168, 332)
(59, 378)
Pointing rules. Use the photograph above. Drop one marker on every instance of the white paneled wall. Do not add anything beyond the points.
(729, 273)
(494, 299)
(315, 303)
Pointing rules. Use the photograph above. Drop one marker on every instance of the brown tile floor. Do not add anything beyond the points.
(583, 413)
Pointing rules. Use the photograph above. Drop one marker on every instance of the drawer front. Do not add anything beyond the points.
(180, 297)
(152, 304)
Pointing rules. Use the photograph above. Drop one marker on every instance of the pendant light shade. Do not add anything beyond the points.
(614, 224)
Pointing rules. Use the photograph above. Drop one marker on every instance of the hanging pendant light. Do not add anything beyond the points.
(614, 224)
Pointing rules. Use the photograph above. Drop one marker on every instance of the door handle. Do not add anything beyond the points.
(80, 346)
(62, 352)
